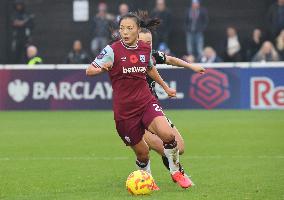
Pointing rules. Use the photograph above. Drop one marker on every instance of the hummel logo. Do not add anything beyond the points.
(123, 59)
(127, 139)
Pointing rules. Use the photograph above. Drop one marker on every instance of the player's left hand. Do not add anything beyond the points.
(199, 69)
(171, 92)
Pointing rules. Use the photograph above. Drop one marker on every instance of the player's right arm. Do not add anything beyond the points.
(154, 74)
(102, 63)
(170, 60)
(162, 58)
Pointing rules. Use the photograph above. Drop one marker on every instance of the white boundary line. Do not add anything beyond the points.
(127, 158)
(61, 158)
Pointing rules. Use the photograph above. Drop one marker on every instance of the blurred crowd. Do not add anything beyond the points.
(259, 46)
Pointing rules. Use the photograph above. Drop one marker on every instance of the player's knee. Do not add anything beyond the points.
(181, 150)
(168, 137)
(180, 147)
(143, 155)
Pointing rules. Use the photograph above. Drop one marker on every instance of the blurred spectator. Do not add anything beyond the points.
(22, 24)
(196, 23)
(189, 58)
(163, 31)
(275, 18)
(102, 24)
(209, 56)
(254, 44)
(280, 44)
(164, 48)
(77, 55)
(32, 56)
(267, 53)
(232, 46)
(122, 10)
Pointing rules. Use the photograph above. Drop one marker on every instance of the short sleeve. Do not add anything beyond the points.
(105, 56)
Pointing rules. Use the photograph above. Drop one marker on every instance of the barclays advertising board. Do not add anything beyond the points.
(70, 89)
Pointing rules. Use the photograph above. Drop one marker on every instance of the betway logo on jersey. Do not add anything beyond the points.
(133, 70)
(265, 95)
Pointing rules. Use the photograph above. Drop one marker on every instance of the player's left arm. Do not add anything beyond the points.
(170, 60)
(154, 74)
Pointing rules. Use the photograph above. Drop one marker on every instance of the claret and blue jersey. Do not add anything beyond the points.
(128, 76)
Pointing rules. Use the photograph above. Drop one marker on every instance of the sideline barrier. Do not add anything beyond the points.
(66, 87)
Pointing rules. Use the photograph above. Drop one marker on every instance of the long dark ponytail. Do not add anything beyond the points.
(143, 21)
(146, 22)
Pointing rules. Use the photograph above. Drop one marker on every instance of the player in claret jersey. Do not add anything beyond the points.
(135, 108)
(152, 140)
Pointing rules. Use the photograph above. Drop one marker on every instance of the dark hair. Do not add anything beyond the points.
(132, 16)
(142, 20)
(147, 24)
(145, 30)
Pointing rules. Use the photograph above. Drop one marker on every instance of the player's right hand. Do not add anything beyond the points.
(171, 92)
(199, 69)
(107, 66)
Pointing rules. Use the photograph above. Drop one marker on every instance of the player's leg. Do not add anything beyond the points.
(161, 128)
(131, 131)
(155, 121)
(154, 142)
(180, 146)
(178, 137)
(141, 151)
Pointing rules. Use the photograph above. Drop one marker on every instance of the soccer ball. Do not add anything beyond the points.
(139, 183)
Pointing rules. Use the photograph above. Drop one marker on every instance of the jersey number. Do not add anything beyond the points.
(157, 108)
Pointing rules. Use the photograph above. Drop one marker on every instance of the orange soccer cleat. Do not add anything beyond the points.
(182, 179)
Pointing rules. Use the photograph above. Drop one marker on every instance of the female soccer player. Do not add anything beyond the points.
(135, 108)
(152, 140)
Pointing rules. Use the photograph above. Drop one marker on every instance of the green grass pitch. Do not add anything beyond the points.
(79, 156)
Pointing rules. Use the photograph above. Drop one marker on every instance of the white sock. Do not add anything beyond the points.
(173, 157)
(144, 166)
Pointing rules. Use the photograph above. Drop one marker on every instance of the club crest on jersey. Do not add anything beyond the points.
(142, 58)
(102, 54)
